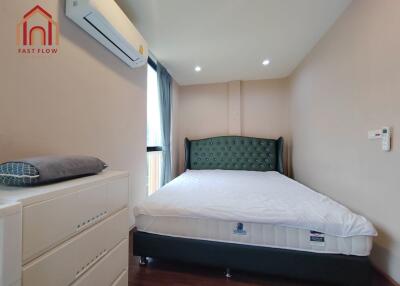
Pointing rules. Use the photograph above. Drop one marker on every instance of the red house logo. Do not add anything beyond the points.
(37, 32)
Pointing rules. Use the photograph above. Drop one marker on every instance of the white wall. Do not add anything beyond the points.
(250, 108)
(349, 84)
(82, 100)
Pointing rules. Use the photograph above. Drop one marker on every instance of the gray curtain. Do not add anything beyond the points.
(164, 92)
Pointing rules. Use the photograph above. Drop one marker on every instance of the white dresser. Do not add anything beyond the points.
(73, 233)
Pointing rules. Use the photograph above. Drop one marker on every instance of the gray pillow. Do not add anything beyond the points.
(48, 169)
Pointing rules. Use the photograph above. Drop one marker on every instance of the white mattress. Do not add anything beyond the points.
(277, 211)
(257, 234)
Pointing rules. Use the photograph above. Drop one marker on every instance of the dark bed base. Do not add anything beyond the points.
(328, 268)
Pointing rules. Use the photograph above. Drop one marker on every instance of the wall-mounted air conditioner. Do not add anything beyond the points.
(107, 23)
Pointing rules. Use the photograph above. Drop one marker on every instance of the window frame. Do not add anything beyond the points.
(154, 148)
(153, 65)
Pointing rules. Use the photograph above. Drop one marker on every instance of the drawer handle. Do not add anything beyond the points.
(93, 261)
(92, 220)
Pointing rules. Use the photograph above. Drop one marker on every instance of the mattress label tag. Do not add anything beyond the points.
(317, 238)
(239, 229)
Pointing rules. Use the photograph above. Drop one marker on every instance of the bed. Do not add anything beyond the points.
(234, 208)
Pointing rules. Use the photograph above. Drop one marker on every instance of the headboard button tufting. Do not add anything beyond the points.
(234, 152)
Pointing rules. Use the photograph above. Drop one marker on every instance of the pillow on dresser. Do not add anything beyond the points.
(48, 169)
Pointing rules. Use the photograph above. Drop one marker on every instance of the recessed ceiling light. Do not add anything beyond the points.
(266, 62)
(197, 68)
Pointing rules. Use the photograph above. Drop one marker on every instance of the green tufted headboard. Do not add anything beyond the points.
(234, 153)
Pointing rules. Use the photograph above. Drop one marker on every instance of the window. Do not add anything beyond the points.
(154, 154)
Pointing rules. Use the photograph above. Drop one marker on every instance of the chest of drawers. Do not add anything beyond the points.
(74, 232)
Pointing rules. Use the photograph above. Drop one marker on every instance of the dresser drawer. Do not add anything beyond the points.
(49, 223)
(117, 194)
(109, 270)
(69, 261)
(122, 280)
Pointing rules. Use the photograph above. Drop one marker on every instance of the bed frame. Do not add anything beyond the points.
(253, 154)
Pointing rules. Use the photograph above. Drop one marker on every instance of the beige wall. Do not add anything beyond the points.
(248, 108)
(203, 112)
(83, 100)
(265, 108)
(349, 84)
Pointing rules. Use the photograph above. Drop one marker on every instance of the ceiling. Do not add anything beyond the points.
(229, 39)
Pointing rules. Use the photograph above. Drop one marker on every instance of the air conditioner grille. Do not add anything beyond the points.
(109, 40)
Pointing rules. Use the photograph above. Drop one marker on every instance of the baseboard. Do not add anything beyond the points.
(387, 277)
(386, 262)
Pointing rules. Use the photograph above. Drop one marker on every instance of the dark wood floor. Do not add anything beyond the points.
(159, 272)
